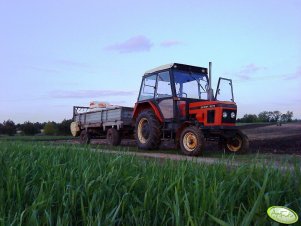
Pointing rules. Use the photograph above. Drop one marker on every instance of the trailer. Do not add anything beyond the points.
(113, 123)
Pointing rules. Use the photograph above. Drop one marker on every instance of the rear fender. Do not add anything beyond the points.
(147, 105)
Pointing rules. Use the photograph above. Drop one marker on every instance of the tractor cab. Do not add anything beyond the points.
(176, 89)
(174, 81)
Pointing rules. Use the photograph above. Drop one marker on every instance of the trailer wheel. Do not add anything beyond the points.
(192, 141)
(113, 137)
(239, 143)
(84, 137)
(147, 130)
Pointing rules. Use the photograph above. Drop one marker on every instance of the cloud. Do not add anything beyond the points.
(170, 43)
(134, 44)
(247, 71)
(294, 75)
(66, 94)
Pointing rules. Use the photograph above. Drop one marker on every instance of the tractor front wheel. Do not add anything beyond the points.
(192, 141)
(148, 130)
(239, 143)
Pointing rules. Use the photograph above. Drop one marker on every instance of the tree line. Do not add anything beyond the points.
(29, 128)
(267, 116)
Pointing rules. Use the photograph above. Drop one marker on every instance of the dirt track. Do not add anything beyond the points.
(276, 139)
(273, 131)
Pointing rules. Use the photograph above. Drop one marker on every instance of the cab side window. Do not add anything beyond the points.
(163, 85)
(148, 88)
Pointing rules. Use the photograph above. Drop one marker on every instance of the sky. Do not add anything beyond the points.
(57, 54)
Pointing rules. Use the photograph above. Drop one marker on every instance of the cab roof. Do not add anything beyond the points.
(182, 67)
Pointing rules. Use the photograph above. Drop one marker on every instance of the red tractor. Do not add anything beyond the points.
(176, 102)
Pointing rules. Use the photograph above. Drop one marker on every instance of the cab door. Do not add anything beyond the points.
(224, 91)
(163, 95)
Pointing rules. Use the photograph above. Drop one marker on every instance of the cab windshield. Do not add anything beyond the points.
(190, 84)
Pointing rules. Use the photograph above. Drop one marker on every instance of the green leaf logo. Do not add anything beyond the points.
(282, 214)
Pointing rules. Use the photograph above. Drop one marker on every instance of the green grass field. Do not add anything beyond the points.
(67, 185)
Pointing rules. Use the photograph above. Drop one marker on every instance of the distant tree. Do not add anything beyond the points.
(9, 127)
(283, 118)
(39, 126)
(50, 128)
(289, 116)
(1, 128)
(264, 116)
(276, 115)
(64, 127)
(29, 128)
(271, 116)
(267, 116)
(18, 126)
(249, 118)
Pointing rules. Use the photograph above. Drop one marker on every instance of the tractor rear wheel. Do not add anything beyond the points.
(239, 143)
(84, 137)
(113, 137)
(192, 141)
(148, 130)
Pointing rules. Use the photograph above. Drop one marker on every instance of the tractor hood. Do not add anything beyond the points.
(211, 104)
(214, 113)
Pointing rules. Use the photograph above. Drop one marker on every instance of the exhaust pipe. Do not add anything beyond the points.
(210, 90)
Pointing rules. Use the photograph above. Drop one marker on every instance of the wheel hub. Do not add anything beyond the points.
(190, 141)
(235, 144)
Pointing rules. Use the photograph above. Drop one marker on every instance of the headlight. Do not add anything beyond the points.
(233, 115)
(225, 114)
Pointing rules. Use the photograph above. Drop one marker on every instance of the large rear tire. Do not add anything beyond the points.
(192, 141)
(239, 143)
(113, 137)
(148, 130)
(84, 137)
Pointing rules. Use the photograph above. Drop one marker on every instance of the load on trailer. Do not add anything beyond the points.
(175, 102)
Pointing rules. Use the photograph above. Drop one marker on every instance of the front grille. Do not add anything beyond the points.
(210, 116)
(228, 119)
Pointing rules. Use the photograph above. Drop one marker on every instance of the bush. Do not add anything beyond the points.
(50, 128)
(9, 128)
(64, 127)
(1, 128)
(29, 128)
